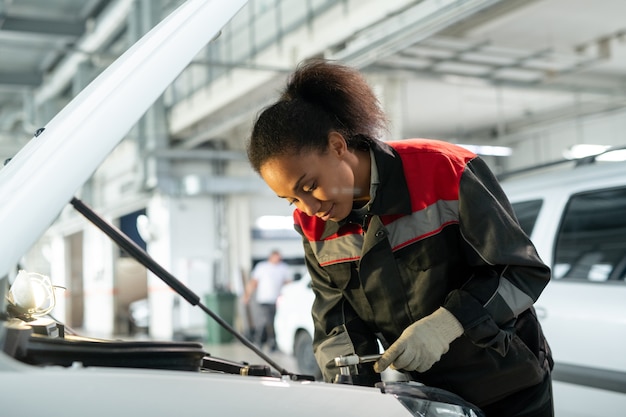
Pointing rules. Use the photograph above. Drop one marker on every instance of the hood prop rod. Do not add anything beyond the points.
(146, 260)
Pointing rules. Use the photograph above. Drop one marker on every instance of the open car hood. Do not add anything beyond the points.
(44, 175)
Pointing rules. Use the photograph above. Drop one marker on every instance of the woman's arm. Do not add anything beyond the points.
(508, 275)
(339, 331)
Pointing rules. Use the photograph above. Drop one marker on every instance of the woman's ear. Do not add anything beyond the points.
(337, 143)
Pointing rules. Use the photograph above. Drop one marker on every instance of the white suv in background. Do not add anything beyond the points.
(576, 216)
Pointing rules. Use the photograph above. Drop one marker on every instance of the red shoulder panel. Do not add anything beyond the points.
(432, 169)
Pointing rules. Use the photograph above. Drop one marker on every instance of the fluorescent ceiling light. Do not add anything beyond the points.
(192, 184)
(583, 150)
(488, 149)
(274, 223)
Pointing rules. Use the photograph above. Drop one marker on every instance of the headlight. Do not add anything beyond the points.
(425, 401)
(31, 296)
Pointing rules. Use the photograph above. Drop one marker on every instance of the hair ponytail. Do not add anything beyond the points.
(319, 97)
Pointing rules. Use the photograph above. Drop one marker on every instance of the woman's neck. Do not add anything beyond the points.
(362, 178)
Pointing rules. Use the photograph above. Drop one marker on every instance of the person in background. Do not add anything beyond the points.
(266, 280)
(411, 243)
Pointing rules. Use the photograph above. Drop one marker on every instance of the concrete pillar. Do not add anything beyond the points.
(160, 296)
(390, 91)
(58, 275)
(98, 285)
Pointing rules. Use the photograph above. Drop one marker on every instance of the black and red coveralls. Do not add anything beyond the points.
(438, 231)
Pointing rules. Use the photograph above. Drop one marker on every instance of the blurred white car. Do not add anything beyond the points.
(294, 325)
(139, 316)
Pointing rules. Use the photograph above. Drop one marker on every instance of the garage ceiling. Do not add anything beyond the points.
(511, 65)
(35, 36)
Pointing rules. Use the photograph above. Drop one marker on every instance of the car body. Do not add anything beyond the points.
(47, 370)
(582, 310)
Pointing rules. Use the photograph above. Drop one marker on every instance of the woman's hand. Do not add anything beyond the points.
(421, 344)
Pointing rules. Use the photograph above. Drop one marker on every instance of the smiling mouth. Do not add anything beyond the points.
(326, 215)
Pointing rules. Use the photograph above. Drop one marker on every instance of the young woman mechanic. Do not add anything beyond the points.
(411, 242)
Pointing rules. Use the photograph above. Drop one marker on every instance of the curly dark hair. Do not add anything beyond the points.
(319, 97)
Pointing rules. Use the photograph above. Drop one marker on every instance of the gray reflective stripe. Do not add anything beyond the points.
(342, 249)
(515, 299)
(334, 346)
(590, 377)
(403, 231)
(422, 224)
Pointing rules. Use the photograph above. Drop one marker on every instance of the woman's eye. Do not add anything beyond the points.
(311, 188)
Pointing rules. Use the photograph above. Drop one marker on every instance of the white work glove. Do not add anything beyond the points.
(422, 343)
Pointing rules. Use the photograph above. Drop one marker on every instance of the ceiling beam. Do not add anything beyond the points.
(71, 28)
(21, 79)
(421, 21)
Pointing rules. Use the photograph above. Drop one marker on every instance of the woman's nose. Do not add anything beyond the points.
(310, 206)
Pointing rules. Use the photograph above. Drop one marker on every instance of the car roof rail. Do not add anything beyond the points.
(586, 160)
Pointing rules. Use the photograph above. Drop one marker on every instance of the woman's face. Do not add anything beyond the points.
(321, 185)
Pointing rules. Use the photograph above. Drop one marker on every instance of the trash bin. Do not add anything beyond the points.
(222, 304)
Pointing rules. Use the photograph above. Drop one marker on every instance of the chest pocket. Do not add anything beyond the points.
(341, 274)
(429, 270)
(423, 255)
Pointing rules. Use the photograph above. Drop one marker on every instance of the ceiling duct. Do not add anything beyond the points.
(111, 21)
(398, 32)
